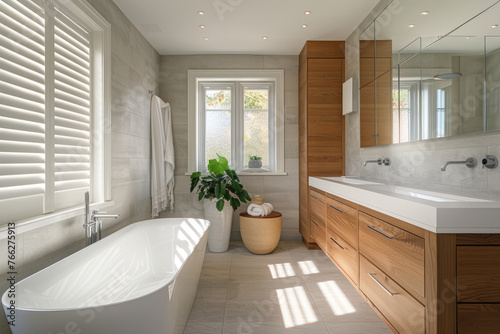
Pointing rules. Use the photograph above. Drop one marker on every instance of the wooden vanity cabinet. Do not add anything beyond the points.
(416, 280)
(321, 123)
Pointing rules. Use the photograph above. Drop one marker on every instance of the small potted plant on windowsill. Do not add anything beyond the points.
(255, 162)
(221, 186)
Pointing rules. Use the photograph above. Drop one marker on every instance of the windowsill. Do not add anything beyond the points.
(255, 174)
(52, 218)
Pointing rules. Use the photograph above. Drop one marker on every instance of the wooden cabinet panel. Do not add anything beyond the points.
(367, 115)
(318, 233)
(343, 254)
(321, 124)
(324, 49)
(317, 206)
(478, 318)
(397, 252)
(366, 71)
(478, 274)
(343, 221)
(404, 312)
(384, 113)
(478, 239)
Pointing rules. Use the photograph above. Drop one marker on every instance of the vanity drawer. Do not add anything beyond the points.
(317, 205)
(343, 221)
(318, 233)
(478, 274)
(403, 311)
(399, 253)
(343, 254)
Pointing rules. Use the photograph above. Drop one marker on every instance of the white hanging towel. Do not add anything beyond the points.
(162, 157)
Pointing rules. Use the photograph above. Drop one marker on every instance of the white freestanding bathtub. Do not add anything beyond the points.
(141, 279)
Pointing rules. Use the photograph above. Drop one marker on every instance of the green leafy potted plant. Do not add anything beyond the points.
(255, 162)
(219, 187)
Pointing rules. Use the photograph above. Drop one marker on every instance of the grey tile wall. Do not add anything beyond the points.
(135, 71)
(281, 191)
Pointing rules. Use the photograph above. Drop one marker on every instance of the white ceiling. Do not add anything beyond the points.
(237, 26)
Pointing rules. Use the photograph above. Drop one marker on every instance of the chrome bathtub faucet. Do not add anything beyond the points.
(93, 222)
(470, 162)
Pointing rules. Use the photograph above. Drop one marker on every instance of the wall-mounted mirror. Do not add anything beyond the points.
(445, 76)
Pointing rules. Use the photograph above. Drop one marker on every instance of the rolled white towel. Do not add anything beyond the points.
(259, 209)
(255, 210)
(268, 208)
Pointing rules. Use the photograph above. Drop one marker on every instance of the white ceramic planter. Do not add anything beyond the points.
(220, 226)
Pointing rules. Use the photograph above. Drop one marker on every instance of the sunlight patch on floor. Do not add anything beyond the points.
(308, 267)
(281, 270)
(337, 300)
(296, 307)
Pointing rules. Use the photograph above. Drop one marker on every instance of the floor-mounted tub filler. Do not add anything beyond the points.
(141, 279)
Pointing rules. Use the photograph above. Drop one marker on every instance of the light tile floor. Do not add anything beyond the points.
(292, 290)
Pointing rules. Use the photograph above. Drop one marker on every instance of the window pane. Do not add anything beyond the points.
(216, 99)
(257, 124)
(217, 124)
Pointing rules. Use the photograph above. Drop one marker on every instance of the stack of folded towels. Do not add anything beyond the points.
(258, 207)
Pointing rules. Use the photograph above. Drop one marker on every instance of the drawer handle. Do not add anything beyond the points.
(315, 223)
(336, 243)
(380, 284)
(376, 230)
(331, 206)
(314, 197)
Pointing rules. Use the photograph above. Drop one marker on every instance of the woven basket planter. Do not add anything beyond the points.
(260, 234)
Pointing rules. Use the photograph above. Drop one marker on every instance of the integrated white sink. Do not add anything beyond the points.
(435, 211)
(435, 196)
(352, 180)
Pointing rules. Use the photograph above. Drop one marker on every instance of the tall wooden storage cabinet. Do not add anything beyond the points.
(321, 124)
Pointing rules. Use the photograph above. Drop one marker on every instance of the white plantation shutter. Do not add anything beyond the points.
(22, 108)
(72, 72)
(45, 108)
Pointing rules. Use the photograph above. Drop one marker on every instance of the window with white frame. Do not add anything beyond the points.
(237, 116)
(54, 107)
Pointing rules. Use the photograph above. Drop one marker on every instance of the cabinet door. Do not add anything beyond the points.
(324, 117)
(478, 274)
(384, 113)
(478, 318)
(367, 115)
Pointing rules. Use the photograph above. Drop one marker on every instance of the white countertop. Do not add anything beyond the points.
(435, 211)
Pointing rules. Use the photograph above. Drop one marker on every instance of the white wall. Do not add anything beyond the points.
(280, 191)
(135, 68)
(418, 162)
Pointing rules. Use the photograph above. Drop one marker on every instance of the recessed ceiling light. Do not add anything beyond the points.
(425, 13)
(201, 12)
(411, 26)
(203, 26)
(494, 26)
(307, 12)
(304, 26)
(468, 37)
(440, 36)
(265, 37)
(205, 38)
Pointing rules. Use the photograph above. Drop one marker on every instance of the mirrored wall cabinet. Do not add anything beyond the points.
(427, 74)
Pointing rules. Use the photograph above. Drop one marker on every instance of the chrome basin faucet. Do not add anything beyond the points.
(470, 162)
(93, 222)
(379, 161)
